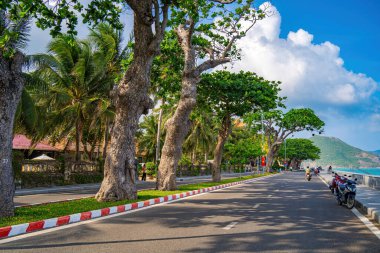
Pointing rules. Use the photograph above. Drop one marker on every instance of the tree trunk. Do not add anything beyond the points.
(223, 134)
(177, 128)
(11, 85)
(179, 124)
(272, 153)
(131, 101)
(78, 138)
(159, 134)
(106, 140)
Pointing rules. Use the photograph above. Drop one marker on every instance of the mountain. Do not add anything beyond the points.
(339, 154)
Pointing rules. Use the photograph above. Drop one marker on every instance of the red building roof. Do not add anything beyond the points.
(22, 142)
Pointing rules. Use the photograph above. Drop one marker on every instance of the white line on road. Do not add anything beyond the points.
(367, 222)
(256, 206)
(23, 236)
(361, 217)
(269, 196)
(229, 226)
(277, 190)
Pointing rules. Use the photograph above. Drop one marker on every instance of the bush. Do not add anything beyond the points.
(17, 158)
(86, 178)
(41, 179)
(150, 168)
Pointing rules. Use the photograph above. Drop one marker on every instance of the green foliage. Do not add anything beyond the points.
(241, 151)
(184, 161)
(202, 136)
(296, 120)
(299, 149)
(150, 168)
(41, 212)
(236, 94)
(41, 179)
(17, 158)
(215, 25)
(13, 34)
(147, 136)
(167, 68)
(86, 178)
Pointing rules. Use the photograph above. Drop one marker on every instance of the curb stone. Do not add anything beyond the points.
(370, 212)
(14, 230)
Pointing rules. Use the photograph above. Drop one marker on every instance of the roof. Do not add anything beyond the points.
(22, 142)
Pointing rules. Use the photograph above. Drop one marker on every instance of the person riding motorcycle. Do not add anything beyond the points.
(307, 171)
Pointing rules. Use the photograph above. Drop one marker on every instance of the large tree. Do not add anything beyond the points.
(207, 32)
(297, 150)
(14, 16)
(234, 95)
(131, 96)
(279, 125)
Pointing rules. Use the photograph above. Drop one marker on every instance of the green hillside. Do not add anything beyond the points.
(337, 153)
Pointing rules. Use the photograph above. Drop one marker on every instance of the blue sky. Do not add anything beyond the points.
(352, 25)
(325, 53)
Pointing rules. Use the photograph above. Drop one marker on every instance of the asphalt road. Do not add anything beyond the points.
(62, 193)
(284, 213)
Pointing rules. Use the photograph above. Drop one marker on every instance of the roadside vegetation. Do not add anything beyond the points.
(156, 92)
(53, 210)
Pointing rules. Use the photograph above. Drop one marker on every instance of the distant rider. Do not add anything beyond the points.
(307, 171)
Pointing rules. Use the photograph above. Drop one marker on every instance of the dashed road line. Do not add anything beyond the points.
(231, 225)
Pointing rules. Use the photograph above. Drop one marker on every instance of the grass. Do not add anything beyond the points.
(41, 212)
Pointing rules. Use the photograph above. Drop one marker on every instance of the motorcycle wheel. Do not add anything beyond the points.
(339, 201)
(308, 179)
(350, 201)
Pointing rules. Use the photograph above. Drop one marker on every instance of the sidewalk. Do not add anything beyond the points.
(367, 199)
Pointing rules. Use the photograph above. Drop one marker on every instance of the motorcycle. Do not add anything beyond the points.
(346, 192)
(308, 176)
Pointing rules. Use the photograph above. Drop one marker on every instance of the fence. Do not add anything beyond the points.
(50, 173)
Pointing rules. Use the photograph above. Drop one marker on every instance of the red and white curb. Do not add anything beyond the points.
(9, 231)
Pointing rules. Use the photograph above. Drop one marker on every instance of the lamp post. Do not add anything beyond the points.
(286, 164)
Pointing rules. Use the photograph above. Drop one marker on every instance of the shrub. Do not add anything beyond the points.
(17, 158)
(41, 179)
(86, 178)
(150, 168)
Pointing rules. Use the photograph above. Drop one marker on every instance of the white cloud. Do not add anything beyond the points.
(309, 72)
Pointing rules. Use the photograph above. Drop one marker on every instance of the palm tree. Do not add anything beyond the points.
(108, 44)
(76, 80)
(202, 135)
(147, 136)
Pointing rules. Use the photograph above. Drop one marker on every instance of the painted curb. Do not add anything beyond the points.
(14, 230)
(369, 211)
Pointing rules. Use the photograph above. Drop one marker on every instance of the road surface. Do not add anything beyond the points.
(61, 193)
(283, 213)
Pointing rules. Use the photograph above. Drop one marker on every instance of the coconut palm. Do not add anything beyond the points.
(76, 81)
(202, 135)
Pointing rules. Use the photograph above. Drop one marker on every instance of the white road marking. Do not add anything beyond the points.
(23, 236)
(361, 217)
(256, 206)
(269, 196)
(229, 226)
(277, 190)
(367, 222)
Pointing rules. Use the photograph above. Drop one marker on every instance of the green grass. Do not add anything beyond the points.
(41, 212)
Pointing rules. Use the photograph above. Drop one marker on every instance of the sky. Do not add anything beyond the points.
(324, 52)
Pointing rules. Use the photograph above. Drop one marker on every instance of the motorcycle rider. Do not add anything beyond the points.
(307, 171)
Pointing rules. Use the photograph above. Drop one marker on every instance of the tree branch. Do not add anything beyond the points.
(210, 64)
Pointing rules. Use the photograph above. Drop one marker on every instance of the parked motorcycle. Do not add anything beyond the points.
(346, 192)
